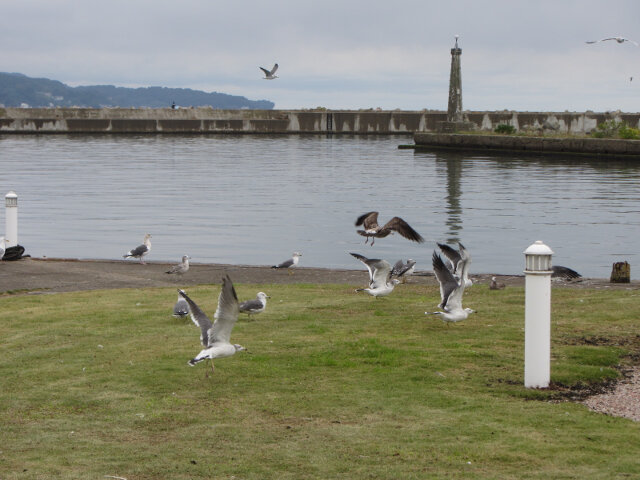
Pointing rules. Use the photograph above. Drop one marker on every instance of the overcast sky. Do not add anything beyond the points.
(517, 55)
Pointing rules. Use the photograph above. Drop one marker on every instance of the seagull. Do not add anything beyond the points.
(564, 272)
(401, 270)
(291, 263)
(257, 305)
(270, 74)
(494, 285)
(454, 256)
(216, 337)
(380, 282)
(181, 308)
(451, 289)
(141, 250)
(617, 39)
(371, 228)
(181, 268)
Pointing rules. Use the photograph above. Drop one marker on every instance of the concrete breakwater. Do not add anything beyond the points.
(575, 146)
(209, 120)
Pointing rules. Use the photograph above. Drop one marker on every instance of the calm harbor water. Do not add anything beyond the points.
(255, 199)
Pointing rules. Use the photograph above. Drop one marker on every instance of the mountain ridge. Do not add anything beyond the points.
(17, 89)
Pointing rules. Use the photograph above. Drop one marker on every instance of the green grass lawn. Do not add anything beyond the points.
(335, 385)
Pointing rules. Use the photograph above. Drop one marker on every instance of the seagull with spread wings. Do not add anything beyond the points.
(380, 282)
(617, 39)
(216, 337)
(270, 74)
(372, 230)
(451, 288)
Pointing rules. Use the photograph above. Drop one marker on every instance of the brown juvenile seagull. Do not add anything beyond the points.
(371, 228)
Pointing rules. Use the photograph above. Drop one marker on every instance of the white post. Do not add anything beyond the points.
(537, 316)
(11, 230)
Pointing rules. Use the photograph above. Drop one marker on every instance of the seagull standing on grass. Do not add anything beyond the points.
(494, 285)
(216, 337)
(617, 39)
(291, 263)
(181, 307)
(380, 282)
(256, 305)
(270, 74)
(372, 230)
(141, 250)
(181, 268)
(451, 288)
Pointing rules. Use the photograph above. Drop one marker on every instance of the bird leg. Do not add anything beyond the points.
(213, 369)
(373, 239)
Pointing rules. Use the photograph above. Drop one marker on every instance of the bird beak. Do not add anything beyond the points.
(268, 296)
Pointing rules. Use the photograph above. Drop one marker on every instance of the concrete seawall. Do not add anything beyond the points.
(208, 120)
(574, 146)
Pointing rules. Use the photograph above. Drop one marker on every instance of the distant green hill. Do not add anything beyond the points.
(17, 89)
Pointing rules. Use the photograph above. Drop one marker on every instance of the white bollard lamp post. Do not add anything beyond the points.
(11, 219)
(537, 316)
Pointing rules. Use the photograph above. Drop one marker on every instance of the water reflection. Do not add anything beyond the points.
(255, 199)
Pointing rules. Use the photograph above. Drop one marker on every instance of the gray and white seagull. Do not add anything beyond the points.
(451, 288)
(216, 337)
(270, 74)
(380, 282)
(617, 39)
(181, 268)
(141, 250)
(401, 269)
(181, 307)
(291, 263)
(255, 305)
(372, 230)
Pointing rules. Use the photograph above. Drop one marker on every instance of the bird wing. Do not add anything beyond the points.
(381, 273)
(226, 313)
(403, 228)
(139, 250)
(199, 318)
(445, 278)
(285, 264)
(452, 255)
(398, 268)
(250, 305)
(273, 70)
(266, 72)
(175, 269)
(369, 219)
(565, 272)
(368, 262)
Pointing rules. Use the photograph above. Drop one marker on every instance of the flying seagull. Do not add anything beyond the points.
(216, 337)
(401, 270)
(181, 307)
(256, 305)
(451, 289)
(181, 268)
(617, 39)
(564, 272)
(291, 263)
(380, 282)
(369, 221)
(141, 250)
(454, 257)
(270, 74)
(3, 242)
